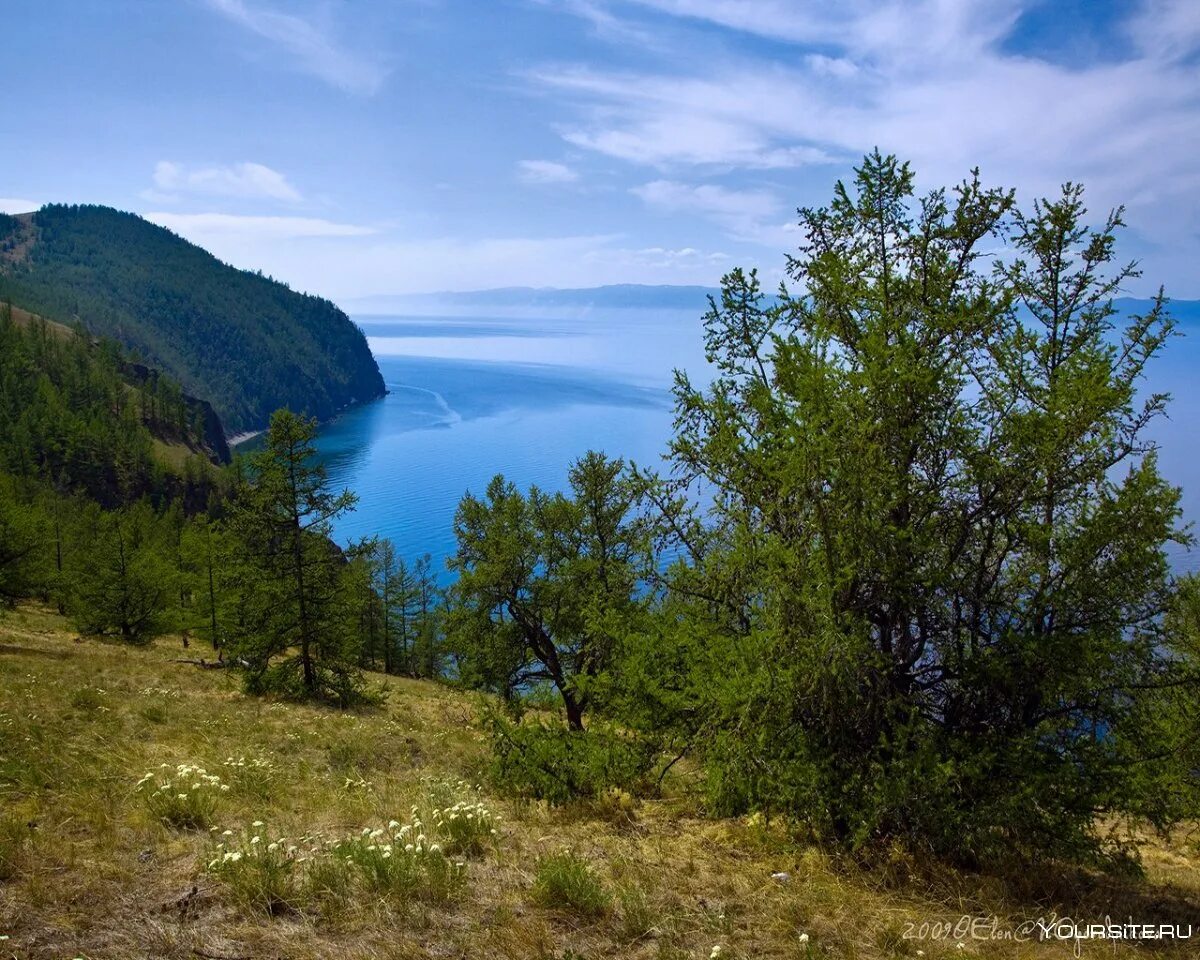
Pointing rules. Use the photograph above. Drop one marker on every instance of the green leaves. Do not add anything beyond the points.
(932, 584)
(549, 584)
(291, 623)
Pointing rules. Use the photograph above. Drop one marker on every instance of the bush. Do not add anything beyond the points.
(554, 763)
(565, 880)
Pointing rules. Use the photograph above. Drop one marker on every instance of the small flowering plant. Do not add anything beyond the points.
(250, 775)
(403, 861)
(185, 796)
(261, 871)
(466, 828)
(464, 824)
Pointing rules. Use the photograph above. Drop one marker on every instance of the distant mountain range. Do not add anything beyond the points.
(244, 342)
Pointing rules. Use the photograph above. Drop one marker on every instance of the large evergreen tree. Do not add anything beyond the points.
(292, 625)
(927, 602)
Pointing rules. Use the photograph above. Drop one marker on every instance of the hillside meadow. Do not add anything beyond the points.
(122, 769)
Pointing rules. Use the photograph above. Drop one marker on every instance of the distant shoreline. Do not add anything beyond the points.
(239, 438)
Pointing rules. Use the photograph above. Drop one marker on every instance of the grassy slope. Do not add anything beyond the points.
(96, 876)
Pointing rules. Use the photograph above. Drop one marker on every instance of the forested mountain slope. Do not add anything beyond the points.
(78, 416)
(242, 341)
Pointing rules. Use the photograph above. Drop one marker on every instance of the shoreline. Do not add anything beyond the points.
(240, 438)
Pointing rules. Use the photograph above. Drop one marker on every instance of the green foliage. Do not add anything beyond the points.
(549, 585)
(292, 625)
(567, 882)
(71, 417)
(927, 601)
(553, 762)
(244, 342)
(121, 582)
(24, 562)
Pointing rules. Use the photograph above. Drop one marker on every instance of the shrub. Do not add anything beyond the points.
(185, 796)
(565, 880)
(554, 763)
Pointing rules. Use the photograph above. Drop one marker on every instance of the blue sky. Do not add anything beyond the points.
(366, 147)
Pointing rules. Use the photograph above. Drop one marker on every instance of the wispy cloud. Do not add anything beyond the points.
(201, 227)
(742, 213)
(246, 180)
(545, 171)
(311, 47)
(931, 80)
(662, 119)
(914, 29)
(17, 205)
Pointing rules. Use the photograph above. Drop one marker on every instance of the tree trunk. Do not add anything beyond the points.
(574, 710)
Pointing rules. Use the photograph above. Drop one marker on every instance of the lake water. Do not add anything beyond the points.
(524, 396)
(472, 397)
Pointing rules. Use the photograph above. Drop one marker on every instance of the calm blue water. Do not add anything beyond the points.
(474, 396)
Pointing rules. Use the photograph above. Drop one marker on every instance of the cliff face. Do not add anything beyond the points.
(243, 342)
(211, 442)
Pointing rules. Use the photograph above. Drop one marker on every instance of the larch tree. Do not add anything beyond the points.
(293, 628)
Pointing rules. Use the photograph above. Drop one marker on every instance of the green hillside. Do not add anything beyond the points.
(242, 341)
(97, 861)
(77, 415)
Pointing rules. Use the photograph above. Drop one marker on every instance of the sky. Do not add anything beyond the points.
(359, 148)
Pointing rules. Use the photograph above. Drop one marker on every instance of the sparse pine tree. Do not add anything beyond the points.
(292, 625)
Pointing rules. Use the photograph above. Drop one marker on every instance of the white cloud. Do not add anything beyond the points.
(545, 171)
(741, 212)
(930, 81)
(203, 228)
(662, 120)
(245, 180)
(312, 47)
(17, 205)
(912, 29)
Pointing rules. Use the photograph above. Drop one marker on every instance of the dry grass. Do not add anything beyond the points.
(86, 869)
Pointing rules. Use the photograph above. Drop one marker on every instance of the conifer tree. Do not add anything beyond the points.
(931, 585)
(293, 629)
